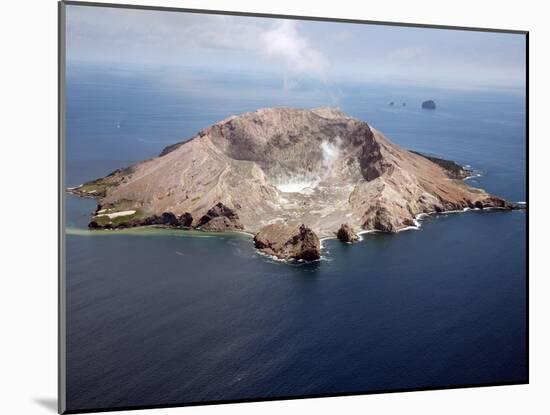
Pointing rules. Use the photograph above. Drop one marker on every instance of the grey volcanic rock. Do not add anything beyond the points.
(289, 166)
(169, 219)
(428, 105)
(94, 225)
(347, 234)
(185, 220)
(165, 219)
(219, 224)
(285, 242)
(493, 202)
(220, 218)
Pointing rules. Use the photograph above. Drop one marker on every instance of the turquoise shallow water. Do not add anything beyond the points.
(164, 317)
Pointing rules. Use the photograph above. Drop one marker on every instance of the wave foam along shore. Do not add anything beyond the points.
(473, 176)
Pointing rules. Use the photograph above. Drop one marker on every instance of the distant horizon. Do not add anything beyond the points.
(292, 54)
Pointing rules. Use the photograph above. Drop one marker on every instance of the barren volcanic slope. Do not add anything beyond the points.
(284, 166)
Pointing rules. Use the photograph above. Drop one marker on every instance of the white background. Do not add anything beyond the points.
(28, 164)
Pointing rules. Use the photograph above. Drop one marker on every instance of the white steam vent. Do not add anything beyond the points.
(331, 153)
(302, 184)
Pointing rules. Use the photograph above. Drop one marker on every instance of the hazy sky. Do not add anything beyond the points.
(294, 51)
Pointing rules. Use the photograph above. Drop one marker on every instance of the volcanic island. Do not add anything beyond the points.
(289, 177)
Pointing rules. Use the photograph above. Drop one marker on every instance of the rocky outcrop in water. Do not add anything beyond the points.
(186, 220)
(428, 105)
(285, 242)
(347, 234)
(220, 218)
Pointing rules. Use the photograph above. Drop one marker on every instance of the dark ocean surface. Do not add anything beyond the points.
(165, 317)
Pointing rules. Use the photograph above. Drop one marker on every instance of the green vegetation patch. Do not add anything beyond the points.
(99, 187)
(103, 219)
(453, 169)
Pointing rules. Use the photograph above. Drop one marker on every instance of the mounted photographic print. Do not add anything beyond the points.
(258, 207)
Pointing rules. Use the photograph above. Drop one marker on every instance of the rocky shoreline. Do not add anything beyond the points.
(278, 240)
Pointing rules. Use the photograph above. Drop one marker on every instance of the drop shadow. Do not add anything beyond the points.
(48, 403)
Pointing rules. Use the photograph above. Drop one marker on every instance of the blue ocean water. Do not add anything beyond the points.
(165, 317)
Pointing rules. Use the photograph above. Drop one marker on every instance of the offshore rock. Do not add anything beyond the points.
(428, 105)
(285, 242)
(346, 234)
